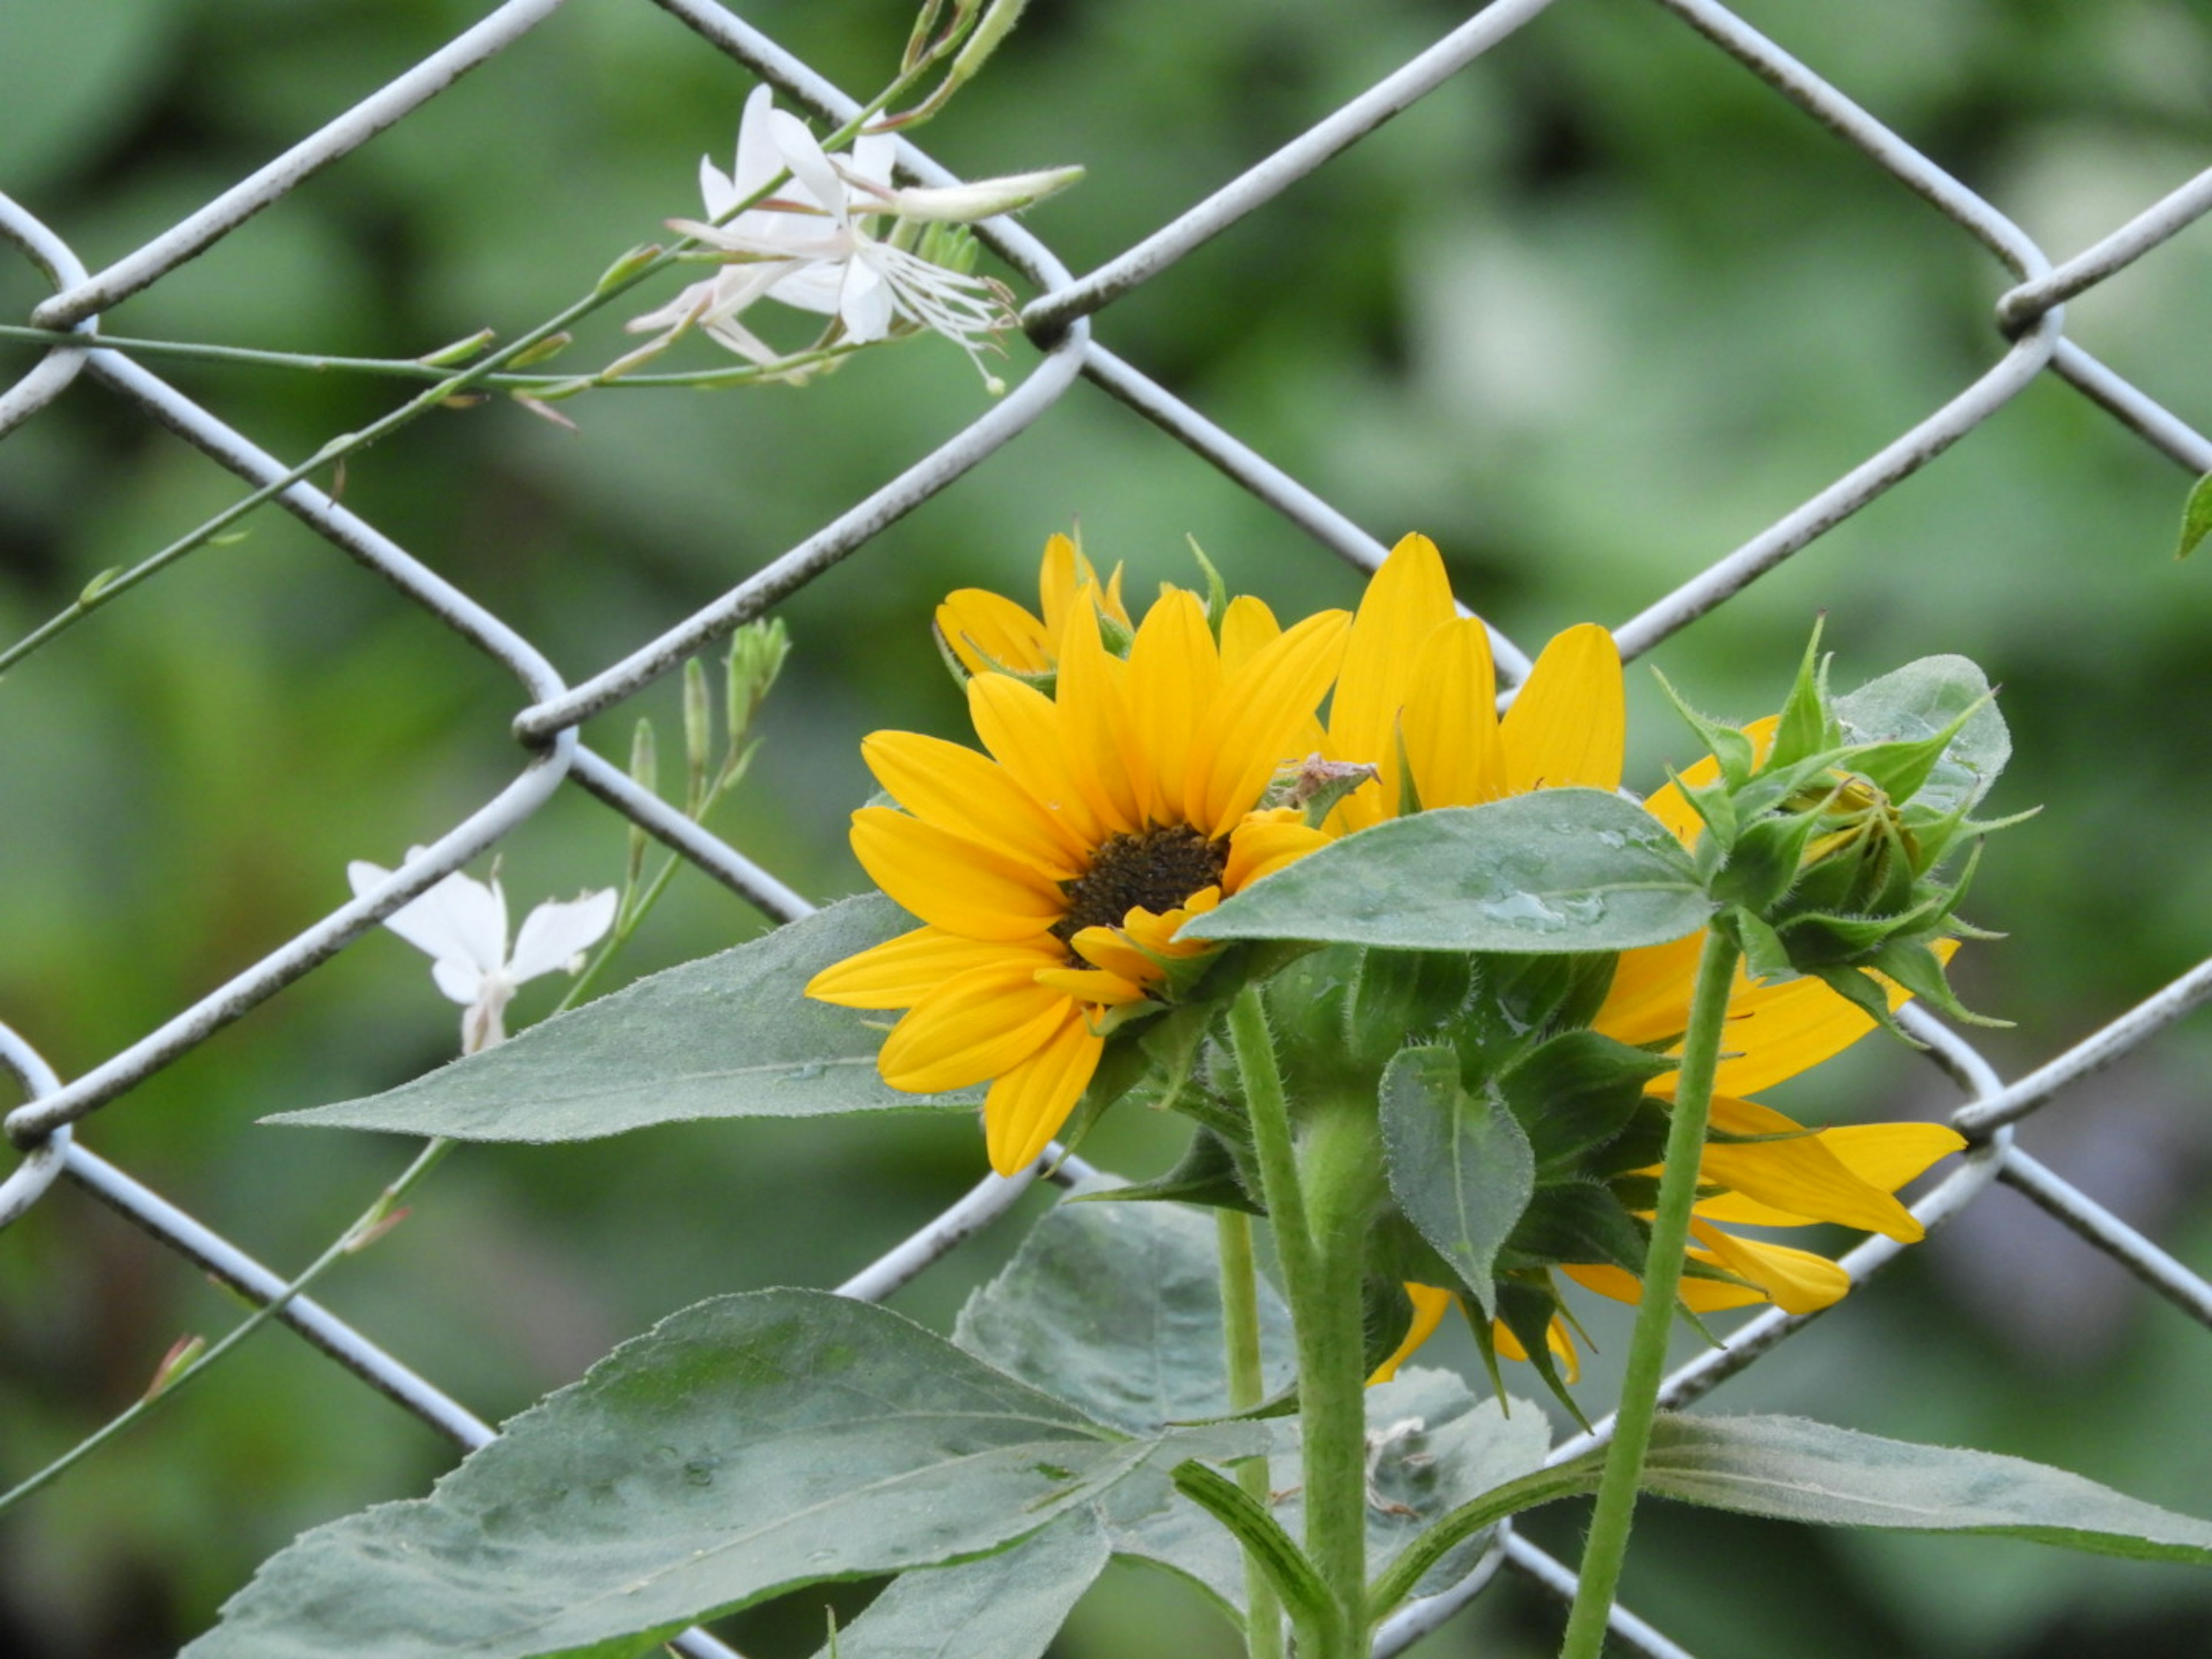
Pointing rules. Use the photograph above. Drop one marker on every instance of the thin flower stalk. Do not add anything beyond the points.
(1614, 1511)
(1240, 1326)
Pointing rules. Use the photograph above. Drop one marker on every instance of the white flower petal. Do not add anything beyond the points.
(865, 303)
(556, 929)
(459, 980)
(756, 160)
(717, 191)
(808, 166)
(458, 920)
(873, 153)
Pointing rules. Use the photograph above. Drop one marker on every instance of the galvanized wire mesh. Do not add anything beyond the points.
(2029, 332)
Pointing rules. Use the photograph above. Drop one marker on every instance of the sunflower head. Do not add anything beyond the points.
(1122, 792)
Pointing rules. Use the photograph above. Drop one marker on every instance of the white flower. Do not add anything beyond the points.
(810, 245)
(461, 924)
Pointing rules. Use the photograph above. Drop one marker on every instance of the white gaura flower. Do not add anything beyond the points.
(811, 247)
(461, 925)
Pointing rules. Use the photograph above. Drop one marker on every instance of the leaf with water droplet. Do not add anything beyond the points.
(1560, 869)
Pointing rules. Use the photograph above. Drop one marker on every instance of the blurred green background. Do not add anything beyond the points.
(1591, 314)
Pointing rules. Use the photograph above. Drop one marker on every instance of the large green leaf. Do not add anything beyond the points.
(1008, 1606)
(1117, 1309)
(730, 1035)
(744, 1447)
(1919, 699)
(1460, 1165)
(1556, 871)
(1793, 1469)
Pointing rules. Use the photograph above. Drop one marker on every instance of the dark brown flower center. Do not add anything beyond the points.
(1157, 870)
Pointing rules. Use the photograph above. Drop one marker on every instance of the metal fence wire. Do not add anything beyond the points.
(2029, 321)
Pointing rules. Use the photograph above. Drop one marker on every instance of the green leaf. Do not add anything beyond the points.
(1577, 1221)
(1208, 1175)
(1791, 1469)
(1576, 1093)
(1918, 701)
(1560, 869)
(1459, 1165)
(2195, 517)
(744, 1447)
(731, 1035)
(1006, 1606)
(1117, 1308)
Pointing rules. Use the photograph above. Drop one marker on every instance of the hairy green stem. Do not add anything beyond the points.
(1341, 1164)
(1320, 1188)
(1240, 1324)
(1655, 1314)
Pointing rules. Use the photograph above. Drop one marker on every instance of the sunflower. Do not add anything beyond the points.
(1052, 873)
(986, 631)
(1417, 697)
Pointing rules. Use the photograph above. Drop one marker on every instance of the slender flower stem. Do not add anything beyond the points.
(1655, 1314)
(414, 369)
(361, 1231)
(1240, 1324)
(1271, 1134)
(617, 283)
(1321, 1193)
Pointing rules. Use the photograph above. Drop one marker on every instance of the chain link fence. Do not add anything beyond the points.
(2028, 342)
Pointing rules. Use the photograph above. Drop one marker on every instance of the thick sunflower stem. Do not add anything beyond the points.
(1320, 1191)
(1341, 1161)
(1240, 1320)
(1655, 1314)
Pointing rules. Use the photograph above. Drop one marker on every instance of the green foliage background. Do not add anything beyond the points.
(1590, 315)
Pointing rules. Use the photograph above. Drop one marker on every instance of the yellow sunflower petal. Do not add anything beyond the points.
(900, 972)
(1795, 1281)
(1569, 721)
(988, 631)
(1650, 998)
(1061, 573)
(1773, 1031)
(1246, 626)
(1776, 1031)
(960, 885)
(1092, 985)
(979, 1025)
(1449, 724)
(1262, 708)
(1105, 948)
(1430, 1306)
(1174, 671)
(1092, 696)
(1030, 1102)
(1020, 726)
(1264, 843)
(1699, 1295)
(1670, 805)
(1407, 599)
(1800, 1179)
(1887, 1155)
(958, 789)
(1111, 598)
